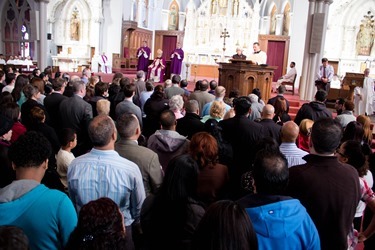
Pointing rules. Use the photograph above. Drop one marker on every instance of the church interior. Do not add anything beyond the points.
(72, 34)
(164, 124)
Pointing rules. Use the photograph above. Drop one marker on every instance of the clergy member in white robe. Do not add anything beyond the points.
(363, 96)
(105, 64)
(258, 56)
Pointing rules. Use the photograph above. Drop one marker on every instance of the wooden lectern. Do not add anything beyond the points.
(353, 80)
(244, 75)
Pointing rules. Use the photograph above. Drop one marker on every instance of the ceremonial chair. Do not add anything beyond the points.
(290, 84)
(133, 62)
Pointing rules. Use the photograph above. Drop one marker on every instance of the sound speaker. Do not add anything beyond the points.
(49, 36)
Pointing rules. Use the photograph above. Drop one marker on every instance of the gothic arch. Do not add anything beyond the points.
(16, 21)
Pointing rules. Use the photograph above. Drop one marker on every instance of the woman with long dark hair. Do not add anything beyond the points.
(100, 226)
(351, 152)
(225, 226)
(170, 217)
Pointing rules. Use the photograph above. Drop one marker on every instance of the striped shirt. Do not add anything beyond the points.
(293, 154)
(104, 173)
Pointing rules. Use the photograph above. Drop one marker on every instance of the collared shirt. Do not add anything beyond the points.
(259, 57)
(104, 173)
(329, 71)
(293, 154)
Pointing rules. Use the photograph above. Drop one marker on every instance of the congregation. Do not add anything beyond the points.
(133, 164)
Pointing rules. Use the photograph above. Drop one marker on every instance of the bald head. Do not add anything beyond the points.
(289, 132)
(268, 111)
(220, 92)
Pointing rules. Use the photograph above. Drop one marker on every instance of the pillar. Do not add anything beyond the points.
(312, 61)
(305, 86)
(43, 45)
(279, 24)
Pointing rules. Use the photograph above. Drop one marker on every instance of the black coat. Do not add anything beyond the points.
(189, 125)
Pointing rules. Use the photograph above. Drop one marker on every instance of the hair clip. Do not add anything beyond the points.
(87, 237)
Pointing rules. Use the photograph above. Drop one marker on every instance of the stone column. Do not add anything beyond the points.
(279, 24)
(305, 85)
(43, 45)
(312, 61)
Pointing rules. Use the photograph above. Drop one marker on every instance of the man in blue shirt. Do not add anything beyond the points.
(104, 173)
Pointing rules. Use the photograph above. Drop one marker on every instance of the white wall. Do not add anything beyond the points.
(111, 27)
(297, 39)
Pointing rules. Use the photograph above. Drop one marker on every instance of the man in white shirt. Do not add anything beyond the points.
(258, 56)
(324, 76)
(288, 77)
(289, 134)
(363, 96)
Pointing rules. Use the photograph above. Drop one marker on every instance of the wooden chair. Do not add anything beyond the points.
(133, 62)
(290, 84)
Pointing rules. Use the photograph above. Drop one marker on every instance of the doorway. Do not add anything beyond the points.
(275, 57)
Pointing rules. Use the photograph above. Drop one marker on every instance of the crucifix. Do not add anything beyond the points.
(224, 35)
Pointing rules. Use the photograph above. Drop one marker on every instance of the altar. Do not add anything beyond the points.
(245, 76)
(69, 63)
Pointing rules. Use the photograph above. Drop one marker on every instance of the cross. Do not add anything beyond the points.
(224, 35)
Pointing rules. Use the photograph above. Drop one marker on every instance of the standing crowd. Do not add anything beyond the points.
(136, 165)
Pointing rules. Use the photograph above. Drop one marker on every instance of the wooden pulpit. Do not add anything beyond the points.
(244, 75)
(353, 80)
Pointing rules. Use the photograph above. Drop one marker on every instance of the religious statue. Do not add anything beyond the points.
(286, 21)
(74, 26)
(235, 8)
(173, 12)
(214, 7)
(366, 35)
(273, 21)
(223, 4)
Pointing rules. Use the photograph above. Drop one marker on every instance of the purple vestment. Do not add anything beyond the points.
(176, 61)
(143, 55)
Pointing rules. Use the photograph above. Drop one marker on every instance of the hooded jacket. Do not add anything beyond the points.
(284, 224)
(313, 111)
(46, 216)
(167, 144)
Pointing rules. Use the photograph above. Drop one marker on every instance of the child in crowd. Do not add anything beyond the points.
(64, 157)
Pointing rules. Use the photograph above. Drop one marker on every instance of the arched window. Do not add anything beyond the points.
(16, 27)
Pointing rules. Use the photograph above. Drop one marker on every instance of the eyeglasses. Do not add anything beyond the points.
(341, 154)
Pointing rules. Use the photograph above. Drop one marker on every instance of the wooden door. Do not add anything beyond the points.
(275, 57)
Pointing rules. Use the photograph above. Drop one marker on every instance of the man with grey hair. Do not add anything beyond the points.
(75, 113)
(219, 96)
(256, 107)
(239, 54)
(104, 173)
(191, 123)
(175, 89)
(271, 128)
(146, 159)
(202, 96)
(86, 74)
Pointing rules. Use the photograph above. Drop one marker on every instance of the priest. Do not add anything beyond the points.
(176, 60)
(143, 55)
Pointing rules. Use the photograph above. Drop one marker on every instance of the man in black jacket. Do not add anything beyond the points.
(315, 109)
